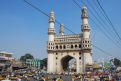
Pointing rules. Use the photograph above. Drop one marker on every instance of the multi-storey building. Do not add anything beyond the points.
(5, 59)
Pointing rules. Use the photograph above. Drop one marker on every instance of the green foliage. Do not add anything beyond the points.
(107, 64)
(26, 56)
(22, 58)
(29, 56)
(45, 62)
(117, 62)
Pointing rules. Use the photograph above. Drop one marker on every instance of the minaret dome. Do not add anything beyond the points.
(84, 12)
(52, 17)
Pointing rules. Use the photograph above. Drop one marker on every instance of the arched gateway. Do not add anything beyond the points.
(65, 63)
(62, 48)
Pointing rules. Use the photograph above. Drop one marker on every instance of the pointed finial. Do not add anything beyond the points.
(52, 11)
(84, 6)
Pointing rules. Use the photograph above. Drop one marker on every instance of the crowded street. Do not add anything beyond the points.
(36, 75)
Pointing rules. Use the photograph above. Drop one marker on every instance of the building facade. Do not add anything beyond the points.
(5, 59)
(6, 55)
(62, 48)
(34, 63)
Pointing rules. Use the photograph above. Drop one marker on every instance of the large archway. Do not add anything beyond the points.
(68, 64)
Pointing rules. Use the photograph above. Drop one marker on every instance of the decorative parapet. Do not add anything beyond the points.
(67, 38)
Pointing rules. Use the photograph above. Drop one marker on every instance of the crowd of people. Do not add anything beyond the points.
(87, 77)
(97, 77)
(36, 75)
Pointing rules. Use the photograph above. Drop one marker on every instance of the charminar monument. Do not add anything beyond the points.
(62, 48)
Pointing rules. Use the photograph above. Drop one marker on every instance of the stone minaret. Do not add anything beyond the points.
(86, 41)
(61, 29)
(51, 31)
(51, 36)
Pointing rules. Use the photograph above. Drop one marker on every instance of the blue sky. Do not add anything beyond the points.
(24, 29)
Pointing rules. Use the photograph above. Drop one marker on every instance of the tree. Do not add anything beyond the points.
(26, 56)
(29, 56)
(117, 62)
(22, 58)
(45, 62)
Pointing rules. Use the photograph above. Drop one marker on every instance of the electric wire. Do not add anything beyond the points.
(103, 51)
(77, 4)
(105, 33)
(99, 16)
(41, 11)
(110, 22)
(105, 18)
(100, 28)
(59, 23)
(101, 12)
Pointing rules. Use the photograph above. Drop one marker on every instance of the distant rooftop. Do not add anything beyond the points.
(6, 52)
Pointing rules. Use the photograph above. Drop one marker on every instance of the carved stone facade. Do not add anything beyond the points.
(61, 48)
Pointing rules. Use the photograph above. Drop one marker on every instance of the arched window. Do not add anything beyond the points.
(71, 46)
(88, 41)
(85, 41)
(79, 45)
(56, 58)
(85, 45)
(56, 53)
(80, 58)
(79, 53)
(75, 46)
(60, 47)
(56, 47)
(88, 46)
(84, 26)
(64, 47)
